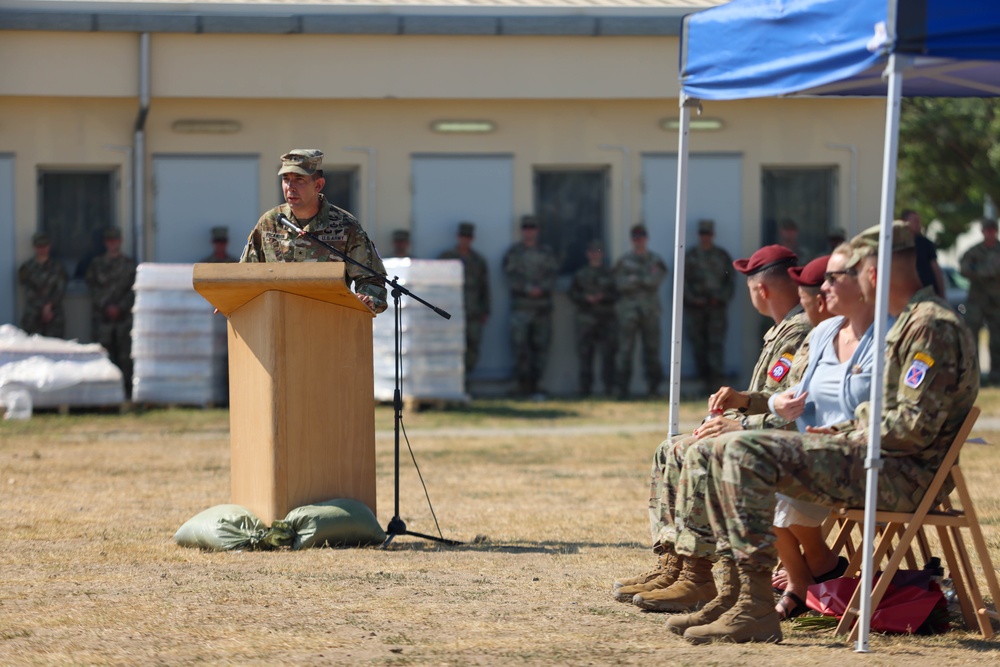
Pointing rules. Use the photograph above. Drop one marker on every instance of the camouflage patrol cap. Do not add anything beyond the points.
(529, 222)
(866, 243)
(988, 223)
(40, 239)
(400, 235)
(810, 275)
(466, 228)
(706, 226)
(112, 233)
(305, 161)
(767, 257)
(638, 231)
(220, 233)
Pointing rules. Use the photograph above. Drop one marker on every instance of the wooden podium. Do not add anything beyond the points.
(301, 394)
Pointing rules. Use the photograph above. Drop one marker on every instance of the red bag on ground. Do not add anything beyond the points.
(905, 607)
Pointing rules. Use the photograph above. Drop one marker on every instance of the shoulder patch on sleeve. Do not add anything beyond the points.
(781, 367)
(916, 373)
(925, 358)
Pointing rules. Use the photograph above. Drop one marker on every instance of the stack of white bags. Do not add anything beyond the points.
(433, 348)
(38, 372)
(178, 344)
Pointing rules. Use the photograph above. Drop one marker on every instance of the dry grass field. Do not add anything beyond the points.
(549, 500)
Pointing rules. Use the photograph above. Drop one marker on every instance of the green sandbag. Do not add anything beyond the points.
(223, 528)
(340, 522)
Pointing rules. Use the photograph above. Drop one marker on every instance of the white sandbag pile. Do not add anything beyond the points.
(178, 344)
(40, 372)
(433, 348)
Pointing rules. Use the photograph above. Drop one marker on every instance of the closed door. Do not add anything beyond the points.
(192, 194)
(448, 189)
(714, 191)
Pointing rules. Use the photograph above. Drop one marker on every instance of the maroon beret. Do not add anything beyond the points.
(765, 258)
(810, 275)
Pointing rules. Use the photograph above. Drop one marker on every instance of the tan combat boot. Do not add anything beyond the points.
(693, 588)
(727, 583)
(663, 554)
(667, 570)
(752, 619)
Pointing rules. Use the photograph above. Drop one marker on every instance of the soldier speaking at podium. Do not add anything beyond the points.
(302, 184)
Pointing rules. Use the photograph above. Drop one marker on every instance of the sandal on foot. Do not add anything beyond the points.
(835, 573)
(788, 611)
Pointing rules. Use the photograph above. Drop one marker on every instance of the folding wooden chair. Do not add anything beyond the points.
(896, 532)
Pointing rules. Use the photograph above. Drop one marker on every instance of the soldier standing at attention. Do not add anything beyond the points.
(788, 236)
(475, 290)
(835, 237)
(638, 275)
(531, 273)
(400, 243)
(981, 265)
(44, 281)
(593, 293)
(110, 278)
(927, 265)
(302, 184)
(708, 288)
(220, 242)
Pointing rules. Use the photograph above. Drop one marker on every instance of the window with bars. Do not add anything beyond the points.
(571, 206)
(74, 209)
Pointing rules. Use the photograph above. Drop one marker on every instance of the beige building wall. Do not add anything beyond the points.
(555, 101)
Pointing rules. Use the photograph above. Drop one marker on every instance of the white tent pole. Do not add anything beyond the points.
(680, 233)
(873, 463)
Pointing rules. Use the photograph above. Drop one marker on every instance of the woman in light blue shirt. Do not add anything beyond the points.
(837, 379)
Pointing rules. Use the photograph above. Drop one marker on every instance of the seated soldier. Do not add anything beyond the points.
(774, 294)
(931, 381)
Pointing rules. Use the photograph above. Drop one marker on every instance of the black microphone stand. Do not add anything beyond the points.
(396, 525)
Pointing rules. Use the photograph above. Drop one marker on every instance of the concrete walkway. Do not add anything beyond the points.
(656, 430)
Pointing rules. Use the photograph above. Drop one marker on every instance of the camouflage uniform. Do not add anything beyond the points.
(708, 289)
(637, 279)
(110, 280)
(476, 300)
(773, 373)
(931, 382)
(44, 283)
(595, 324)
(271, 242)
(531, 317)
(981, 265)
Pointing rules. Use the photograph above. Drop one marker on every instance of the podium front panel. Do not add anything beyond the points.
(301, 404)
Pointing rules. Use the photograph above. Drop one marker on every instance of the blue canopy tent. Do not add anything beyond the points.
(766, 48)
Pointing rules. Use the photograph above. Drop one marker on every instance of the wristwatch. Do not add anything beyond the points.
(744, 423)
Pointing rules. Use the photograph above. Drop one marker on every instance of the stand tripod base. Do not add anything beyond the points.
(398, 527)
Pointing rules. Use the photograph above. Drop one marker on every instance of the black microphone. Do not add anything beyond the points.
(285, 222)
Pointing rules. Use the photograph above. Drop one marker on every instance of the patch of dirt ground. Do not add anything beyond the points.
(91, 576)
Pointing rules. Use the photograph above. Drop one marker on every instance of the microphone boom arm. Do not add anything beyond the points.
(288, 224)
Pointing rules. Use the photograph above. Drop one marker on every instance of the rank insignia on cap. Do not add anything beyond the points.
(781, 367)
(916, 373)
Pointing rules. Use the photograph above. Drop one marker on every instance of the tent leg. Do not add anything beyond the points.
(874, 462)
(680, 234)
